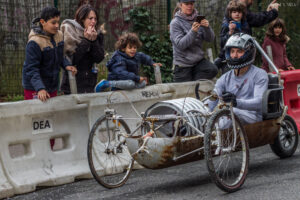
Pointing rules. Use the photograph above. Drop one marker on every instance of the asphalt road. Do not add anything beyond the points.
(269, 178)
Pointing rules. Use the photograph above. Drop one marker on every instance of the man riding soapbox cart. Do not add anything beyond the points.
(183, 130)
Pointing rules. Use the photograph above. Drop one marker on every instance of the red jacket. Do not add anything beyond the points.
(278, 52)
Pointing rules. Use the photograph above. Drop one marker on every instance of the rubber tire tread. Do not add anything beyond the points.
(277, 148)
(208, 156)
(90, 158)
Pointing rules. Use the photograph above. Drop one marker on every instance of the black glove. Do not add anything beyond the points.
(229, 97)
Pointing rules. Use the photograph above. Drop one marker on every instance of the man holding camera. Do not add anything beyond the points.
(188, 30)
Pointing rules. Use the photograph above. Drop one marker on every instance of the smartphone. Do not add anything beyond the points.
(199, 18)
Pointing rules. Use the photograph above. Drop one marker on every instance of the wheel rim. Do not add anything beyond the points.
(229, 163)
(111, 159)
(287, 135)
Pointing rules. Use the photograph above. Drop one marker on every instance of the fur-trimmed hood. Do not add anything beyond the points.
(73, 35)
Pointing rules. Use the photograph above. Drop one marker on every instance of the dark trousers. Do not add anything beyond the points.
(202, 70)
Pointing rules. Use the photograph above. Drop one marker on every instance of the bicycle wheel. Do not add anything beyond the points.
(286, 142)
(227, 157)
(109, 159)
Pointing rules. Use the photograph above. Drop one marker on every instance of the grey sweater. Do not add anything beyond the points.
(187, 44)
(249, 90)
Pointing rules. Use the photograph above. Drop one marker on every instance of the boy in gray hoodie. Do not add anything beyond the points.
(187, 35)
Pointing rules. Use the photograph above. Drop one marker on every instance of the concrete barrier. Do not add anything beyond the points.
(29, 126)
(6, 189)
(141, 98)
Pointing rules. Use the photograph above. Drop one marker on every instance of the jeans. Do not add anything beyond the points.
(127, 84)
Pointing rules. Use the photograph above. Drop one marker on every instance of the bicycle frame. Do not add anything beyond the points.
(149, 121)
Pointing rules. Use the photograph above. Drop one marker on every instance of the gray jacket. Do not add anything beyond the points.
(187, 44)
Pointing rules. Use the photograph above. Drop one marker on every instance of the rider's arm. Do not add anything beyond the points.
(219, 88)
(255, 103)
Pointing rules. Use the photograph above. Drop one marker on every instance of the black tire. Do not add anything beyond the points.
(104, 160)
(232, 178)
(286, 142)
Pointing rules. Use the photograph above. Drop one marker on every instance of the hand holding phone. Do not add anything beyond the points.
(199, 18)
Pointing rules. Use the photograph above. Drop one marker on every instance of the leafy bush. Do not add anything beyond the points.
(159, 47)
(13, 98)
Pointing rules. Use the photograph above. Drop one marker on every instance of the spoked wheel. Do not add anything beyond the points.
(286, 142)
(227, 156)
(109, 159)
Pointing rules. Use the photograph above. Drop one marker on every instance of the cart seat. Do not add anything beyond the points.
(271, 99)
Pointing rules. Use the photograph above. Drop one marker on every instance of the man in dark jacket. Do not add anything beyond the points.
(261, 18)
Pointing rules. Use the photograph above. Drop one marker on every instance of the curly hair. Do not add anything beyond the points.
(236, 5)
(274, 24)
(128, 38)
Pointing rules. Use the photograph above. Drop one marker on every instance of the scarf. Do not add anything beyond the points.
(73, 35)
(188, 17)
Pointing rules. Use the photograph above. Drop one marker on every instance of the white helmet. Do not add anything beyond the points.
(244, 42)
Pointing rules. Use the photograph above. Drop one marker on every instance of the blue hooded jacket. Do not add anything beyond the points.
(123, 67)
(44, 57)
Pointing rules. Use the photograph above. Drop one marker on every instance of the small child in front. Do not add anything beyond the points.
(124, 65)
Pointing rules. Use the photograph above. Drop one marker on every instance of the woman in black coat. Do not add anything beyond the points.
(83, 48)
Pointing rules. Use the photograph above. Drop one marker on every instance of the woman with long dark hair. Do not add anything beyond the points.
(276, 38)
(83, 48)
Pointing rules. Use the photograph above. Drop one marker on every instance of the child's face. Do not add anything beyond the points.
(130, 50)
(91, 20)
(236, 16)
(51, 26)
(277, 31)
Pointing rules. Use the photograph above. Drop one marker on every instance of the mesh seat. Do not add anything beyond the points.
(271, 99)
